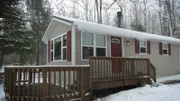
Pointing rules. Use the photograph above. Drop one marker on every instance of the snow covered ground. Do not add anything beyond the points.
(146, 93)
(2, 96)
(149, 93)
(168, 78)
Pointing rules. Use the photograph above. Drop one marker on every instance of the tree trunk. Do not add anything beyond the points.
(97, 9)
(160, 16)
(37, 55)
(1, 60)
(100, 11)
(21, 59)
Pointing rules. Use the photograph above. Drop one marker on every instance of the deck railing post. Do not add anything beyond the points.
(44, 90)
(89, 76)
(154, 74)
(82, 84)
(149, 65)
(132, 68)
(124, 70)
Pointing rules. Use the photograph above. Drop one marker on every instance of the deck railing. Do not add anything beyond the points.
(47, 83)
(153, 72)
(71, 82)
(116, 68)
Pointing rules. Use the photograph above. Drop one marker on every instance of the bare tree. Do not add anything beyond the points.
(85, 5)
(160, 15)
(60, 7)
(156, 16)
(169, 17)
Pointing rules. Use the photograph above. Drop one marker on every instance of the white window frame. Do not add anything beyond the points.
(94, 44)
(163, 48)
(61, 48)
(142, 46)
(51, 50)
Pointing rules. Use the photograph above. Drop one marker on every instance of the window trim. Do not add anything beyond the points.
(142, 46)
(51, 50)
(61, 60)
(165, 49)
(94, 44)
(63, 46)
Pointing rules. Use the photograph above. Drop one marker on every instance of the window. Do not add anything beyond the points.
(88, 39)
(51, 50)
(100, 40)
(165, 48)
(100, 51)
(88, 42)
(100, 45)
(87, 51)
(58, 48)
(91, 47)
(64, 47)
(143, 46)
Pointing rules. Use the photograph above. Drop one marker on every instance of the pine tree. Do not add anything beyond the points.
(138, 27)
(39, 16)
(14, 36)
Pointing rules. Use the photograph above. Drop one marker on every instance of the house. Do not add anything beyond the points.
(71, 42)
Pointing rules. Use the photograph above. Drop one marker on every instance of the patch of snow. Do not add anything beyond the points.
(147, 93)
(2, 95)
(87, 94)
(173, 77)
(2, 69)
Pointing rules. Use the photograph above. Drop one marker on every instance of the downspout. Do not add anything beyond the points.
(73, 44)
(119, 15)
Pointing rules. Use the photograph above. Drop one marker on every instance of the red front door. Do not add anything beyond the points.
(116, 46)
(116, 51)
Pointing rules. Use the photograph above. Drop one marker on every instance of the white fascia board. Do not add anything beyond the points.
(63, 21)
(45, 36)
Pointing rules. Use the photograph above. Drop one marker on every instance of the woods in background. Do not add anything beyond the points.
(23, 22)
(22, 26)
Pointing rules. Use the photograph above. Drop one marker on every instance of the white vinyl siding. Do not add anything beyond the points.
(165, 65)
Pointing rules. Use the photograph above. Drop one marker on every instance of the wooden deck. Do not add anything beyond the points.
(75, 82)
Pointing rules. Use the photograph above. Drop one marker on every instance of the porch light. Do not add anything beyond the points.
(127, 43)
